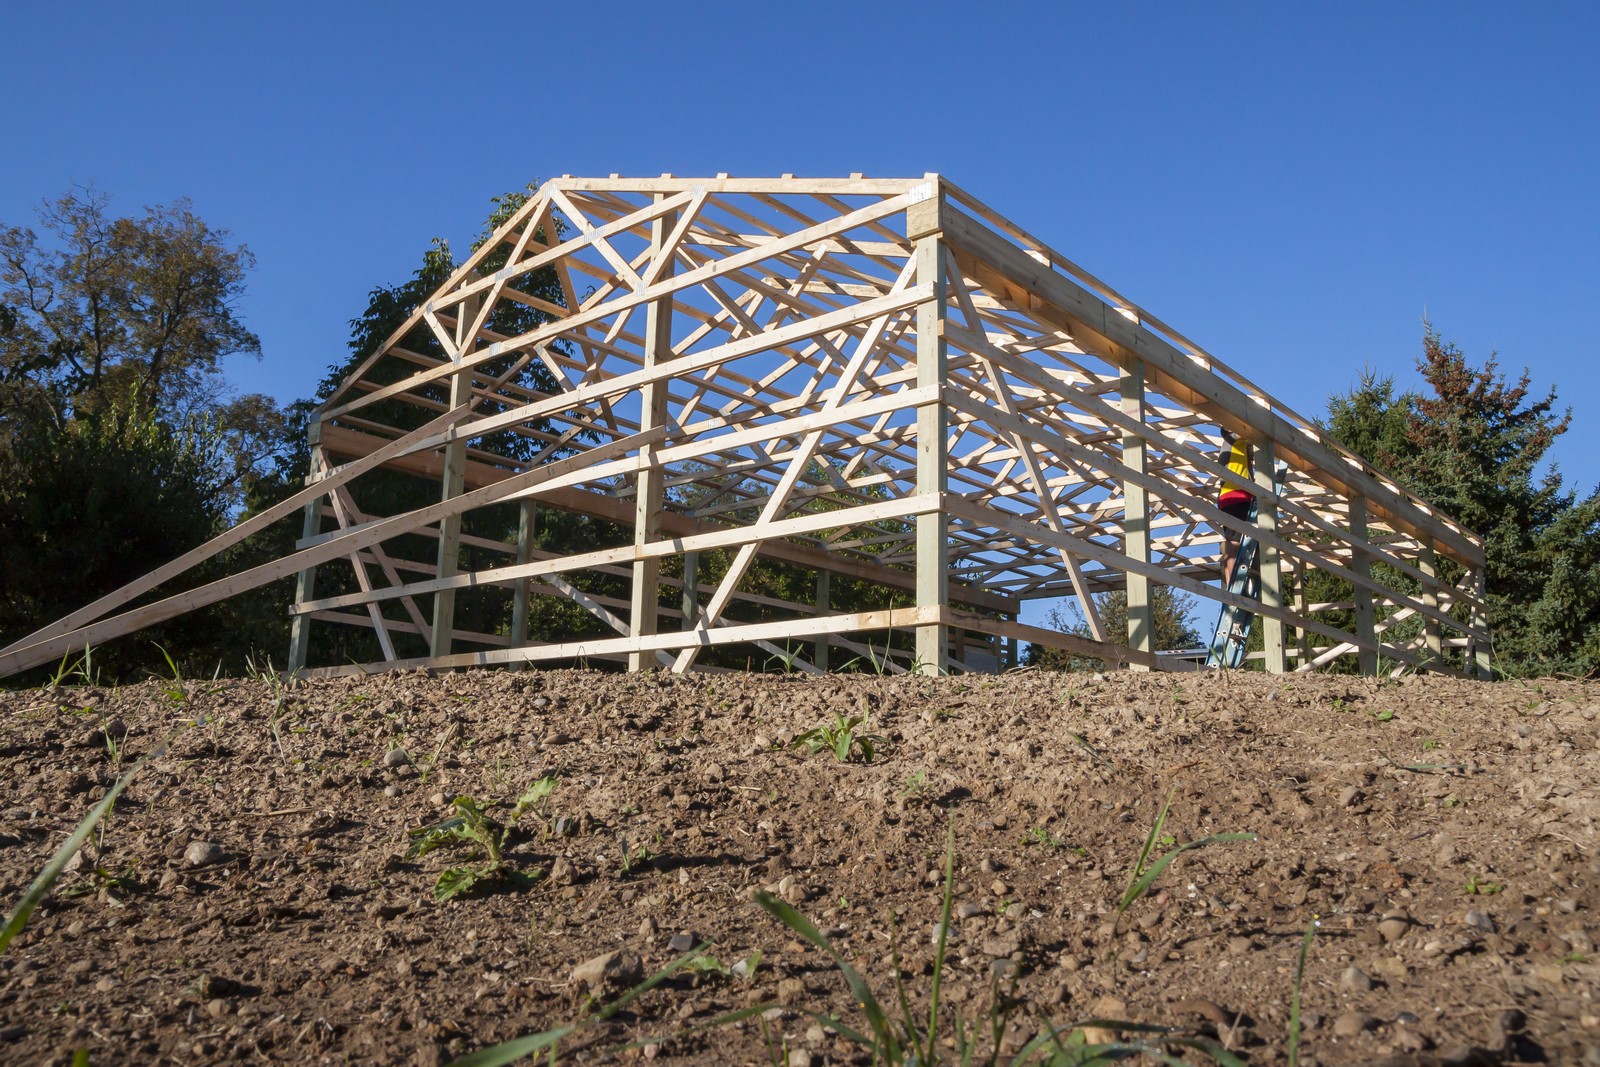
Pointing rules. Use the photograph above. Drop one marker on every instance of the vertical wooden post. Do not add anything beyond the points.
(1136, 516)
(1478, 618)
(306, 581)
(1271, 570)
(923, 226)
(527, 529)
(454, 481)
(1302, 636)
(1366, 658)
(691, 588)
(824, 593)
(644, 618)
(1427, 563)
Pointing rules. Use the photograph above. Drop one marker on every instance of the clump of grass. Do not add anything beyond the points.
(844, 738)
(1146, 870)
(903, 1038)
(474, 827)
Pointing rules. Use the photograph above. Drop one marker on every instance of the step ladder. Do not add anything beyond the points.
(1234, 623)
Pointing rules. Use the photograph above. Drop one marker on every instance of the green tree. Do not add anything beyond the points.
(121, 443)
(1169, 608)
(1474, 444)
(383, 492)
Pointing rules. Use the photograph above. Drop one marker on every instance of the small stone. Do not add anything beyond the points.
(1209, 1010)
(999, 946)
(682, 942)
(1350, 797)
(216, 1008)
(561, 871)
(816, 1035)
(968, 910)
(799, 1057)
(791, 991)
(1069, 963)
(437, 800)
(1238, 946)
(1005, 969)
(616, 969)
(105, 985)
(714, 772)
(1353, 1024)
(392, 791)
(396, 757)
(999, 888)
(1391, 968)
(648, 928)
(76, 929)
(1479, 921)
(1107, 1007)
(202, 853)
(1394, 925)
(1355, 980)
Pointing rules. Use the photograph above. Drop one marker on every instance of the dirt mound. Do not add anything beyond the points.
(252, 897)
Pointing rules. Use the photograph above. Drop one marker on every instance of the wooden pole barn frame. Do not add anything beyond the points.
(879, 380)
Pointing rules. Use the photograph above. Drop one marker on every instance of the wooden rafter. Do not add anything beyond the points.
(877, 378)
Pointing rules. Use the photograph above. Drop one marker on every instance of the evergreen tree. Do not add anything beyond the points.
(1473, 444)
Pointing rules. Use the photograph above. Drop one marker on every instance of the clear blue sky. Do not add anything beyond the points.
(1292, 185)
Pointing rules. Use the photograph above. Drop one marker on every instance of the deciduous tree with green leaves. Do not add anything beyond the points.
(121, 443)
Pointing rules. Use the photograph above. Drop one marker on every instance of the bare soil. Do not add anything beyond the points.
(1464, 813)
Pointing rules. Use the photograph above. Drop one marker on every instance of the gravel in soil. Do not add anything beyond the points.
(251, 898)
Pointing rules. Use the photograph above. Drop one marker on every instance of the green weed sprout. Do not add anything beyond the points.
(1146, 871)
(473, 826)
(842, 738)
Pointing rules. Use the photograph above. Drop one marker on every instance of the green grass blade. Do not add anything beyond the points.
(1146, 878)
(1155, 833)
(859, 989)
(1294, 1001)
(517, 1048)
(931, 1053)
(52, 870)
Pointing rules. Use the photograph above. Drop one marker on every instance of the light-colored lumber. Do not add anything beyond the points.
(881, 380)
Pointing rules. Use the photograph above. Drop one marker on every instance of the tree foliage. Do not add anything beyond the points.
(121, 443)
(1474, 444)
(1169, 609)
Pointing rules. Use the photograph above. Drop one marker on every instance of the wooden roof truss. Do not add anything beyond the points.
(881, 379)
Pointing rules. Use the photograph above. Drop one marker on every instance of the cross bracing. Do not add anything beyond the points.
(879, 381)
